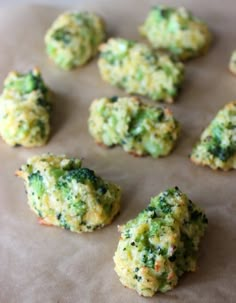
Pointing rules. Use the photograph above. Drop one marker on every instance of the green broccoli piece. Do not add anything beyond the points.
(161, 203)
(114, 99)
(44, 103)
(80, 175)
(80, 208)
(26, 83)
(62, 35)
(36, 184)
(215, 146)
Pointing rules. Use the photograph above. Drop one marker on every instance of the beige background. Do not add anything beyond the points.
(45, 264)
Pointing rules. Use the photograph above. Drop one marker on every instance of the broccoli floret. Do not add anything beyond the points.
(81, 175)
(36, 184)
(114, 99)
(165, 207)
(25, 84)
(79, 208)
(148, 258)
(44, 103)
(56, 172)
(161, 203)
(138, 123)
(221, 152)
(62, 35)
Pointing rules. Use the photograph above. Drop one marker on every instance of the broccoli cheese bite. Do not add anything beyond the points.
(137, 69)
(73, 39)
(63, 193)
(232, 63)
(160, 244)
(217, 146)
(25, 110)
(177, 31)
(140, 129)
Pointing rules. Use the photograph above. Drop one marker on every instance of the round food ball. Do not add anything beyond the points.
(25, 109)
(138, 69)
(63, 193)
(177, 31)
(160, 244)
(73, 39)
(139, 128)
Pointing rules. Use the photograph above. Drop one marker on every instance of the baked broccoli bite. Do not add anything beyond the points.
(217, 146)
(177, 31)
(232, 63)
(25, 110)
(137, 69)
(73, 39)
(63, 193)
(139, 128)
(160, 244)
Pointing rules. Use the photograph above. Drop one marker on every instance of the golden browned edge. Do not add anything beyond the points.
(20, 173)
(29, 147)
(169, 100)
(109, 147)
(42, 221)
(202, 53)
(101, 144)
(217, 169)
(137, 155)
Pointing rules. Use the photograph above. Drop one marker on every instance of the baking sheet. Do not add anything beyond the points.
(47, 264)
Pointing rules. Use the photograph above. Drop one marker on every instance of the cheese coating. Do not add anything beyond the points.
(232, 63)
(217, 146)
(137, 69)
(73, 39)
(140, 129)
(25, 110)
(177, 31)
(63, 193)
(160, 244)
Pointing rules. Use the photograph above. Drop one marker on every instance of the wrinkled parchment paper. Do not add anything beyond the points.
(48, 264)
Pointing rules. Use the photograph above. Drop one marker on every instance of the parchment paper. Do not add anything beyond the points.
(48, 264)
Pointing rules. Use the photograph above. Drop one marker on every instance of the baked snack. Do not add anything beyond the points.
(139, 128)
(217, 145)
(160, 244)
(73, 38)
(25, 109)
(177, 31)
(232, 63)
(63, 193)
(136, 68)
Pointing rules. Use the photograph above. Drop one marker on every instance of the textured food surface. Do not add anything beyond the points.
(176, 30)
(138, 69)
(25, 110)
(49, 264)
(63, 193)
(217, 146)
(139, 128)
(160, 244)
(73, 38)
